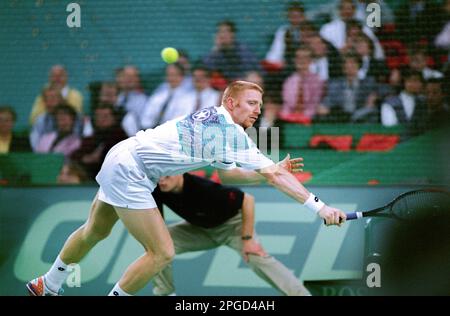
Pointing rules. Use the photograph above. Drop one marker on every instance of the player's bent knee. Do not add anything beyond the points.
(160, 258)
(167, 255)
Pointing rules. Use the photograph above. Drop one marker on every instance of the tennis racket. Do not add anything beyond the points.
(412, 205)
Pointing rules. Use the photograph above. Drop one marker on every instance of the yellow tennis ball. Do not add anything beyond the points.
(169, 55)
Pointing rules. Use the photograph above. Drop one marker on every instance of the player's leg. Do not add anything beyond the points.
(148, 227)
(98, 226)
(266, 267)
(101, 220)
(186, 238)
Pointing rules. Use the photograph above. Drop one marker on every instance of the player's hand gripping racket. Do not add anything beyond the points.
(412, 205)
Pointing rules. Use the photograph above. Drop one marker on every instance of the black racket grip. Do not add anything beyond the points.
(350, 216)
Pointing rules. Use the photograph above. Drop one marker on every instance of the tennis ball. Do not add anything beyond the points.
(169, 55)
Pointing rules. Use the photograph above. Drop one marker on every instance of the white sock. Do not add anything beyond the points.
(56, 276)
(117, 291)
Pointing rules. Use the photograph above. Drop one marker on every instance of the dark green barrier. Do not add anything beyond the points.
(35, 222)
(421, 160)
(30, 168)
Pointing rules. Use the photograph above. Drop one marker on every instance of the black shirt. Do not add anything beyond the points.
(202, 202)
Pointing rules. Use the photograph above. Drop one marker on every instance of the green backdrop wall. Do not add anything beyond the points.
(34, 223)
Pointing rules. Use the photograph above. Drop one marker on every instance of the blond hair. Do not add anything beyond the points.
(236, 87)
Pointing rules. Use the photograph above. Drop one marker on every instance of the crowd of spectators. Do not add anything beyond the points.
(323, 66)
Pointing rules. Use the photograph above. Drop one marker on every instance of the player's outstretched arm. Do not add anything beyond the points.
(243, 176)
(284, 181)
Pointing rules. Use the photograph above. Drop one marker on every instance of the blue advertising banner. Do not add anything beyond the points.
(35, 222)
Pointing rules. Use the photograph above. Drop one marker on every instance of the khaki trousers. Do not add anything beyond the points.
(187, 238)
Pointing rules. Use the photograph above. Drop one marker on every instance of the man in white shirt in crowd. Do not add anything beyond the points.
(130, 98)
(401, 109)
(167, 102)
(288, 36)
(335, 31)
(202, 96)
(418, 61)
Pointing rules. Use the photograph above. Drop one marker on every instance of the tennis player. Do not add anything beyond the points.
(217, 215)
(132, 168)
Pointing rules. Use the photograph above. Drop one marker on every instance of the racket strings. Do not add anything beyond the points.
(421, 204)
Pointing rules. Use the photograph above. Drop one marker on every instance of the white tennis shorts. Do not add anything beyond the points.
(122, 179)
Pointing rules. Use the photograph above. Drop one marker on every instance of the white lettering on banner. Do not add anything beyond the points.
(219, 274)
(319, 262)
(30, 253)
(107, 254)
(323, 254)
(343, 291)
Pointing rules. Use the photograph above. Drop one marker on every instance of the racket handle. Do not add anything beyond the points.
(351, 216)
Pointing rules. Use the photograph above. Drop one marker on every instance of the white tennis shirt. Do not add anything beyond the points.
(206, 137)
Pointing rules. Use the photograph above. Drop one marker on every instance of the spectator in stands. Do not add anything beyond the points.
(327, 61)
(437, 113)
(330, 11)
(107, 133)
(413, 19)
(335, 31)
(271, 101)
(9, 141)
(45, 122)
(303, 90)
(130, 121)
(202, 95)
(402, 108)
(370, 67)
(279, 62)
(287, 37)
(164, 104)
(418, 61)
(351, 99)
(130, 98)
(58, 79)
(353, 30)
(442, 38)
(184, 62)
(437, 105)
(64, 140)
(108, 93)
(72, 173)
(229, 57)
